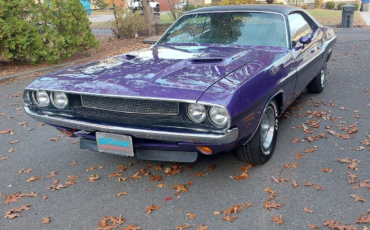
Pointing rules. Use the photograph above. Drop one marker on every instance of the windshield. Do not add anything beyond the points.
(237, 28)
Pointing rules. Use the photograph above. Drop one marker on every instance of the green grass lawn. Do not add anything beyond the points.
(334, 17)
(325, 17)
(166, 18)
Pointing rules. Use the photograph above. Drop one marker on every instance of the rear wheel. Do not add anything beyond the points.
(261, 147)
(317, 84)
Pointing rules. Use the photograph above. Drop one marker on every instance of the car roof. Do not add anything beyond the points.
(283, 9)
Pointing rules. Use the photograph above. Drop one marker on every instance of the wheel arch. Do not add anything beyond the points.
(279, 97)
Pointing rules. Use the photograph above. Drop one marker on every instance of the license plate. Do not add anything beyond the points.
(114, 143)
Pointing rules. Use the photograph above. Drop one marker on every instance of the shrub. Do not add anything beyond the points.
(340, 5)
(127, 23)
(37, 32)
(199, 6)
(304, 7)
(190, 7)
(236, 2)
(330, 5)
(356, 5)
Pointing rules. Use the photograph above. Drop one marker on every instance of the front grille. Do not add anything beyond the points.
(130, 105)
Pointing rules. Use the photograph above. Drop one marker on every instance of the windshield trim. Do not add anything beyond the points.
(234, 11)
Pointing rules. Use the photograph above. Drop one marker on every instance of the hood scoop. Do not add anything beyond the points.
(206, 61)
(129, 56)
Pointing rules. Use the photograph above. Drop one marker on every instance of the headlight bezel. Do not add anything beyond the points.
(208, 120)
(53, 100)
(225, 112)
(36, 99)
(188, 112)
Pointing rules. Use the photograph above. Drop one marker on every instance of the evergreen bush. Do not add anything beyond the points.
(330, 5)
(190, 7)
(39, 32)
(340, 5)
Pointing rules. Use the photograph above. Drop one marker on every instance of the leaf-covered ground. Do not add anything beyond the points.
(319, 176)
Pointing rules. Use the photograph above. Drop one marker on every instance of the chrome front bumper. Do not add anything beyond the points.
(204, 138)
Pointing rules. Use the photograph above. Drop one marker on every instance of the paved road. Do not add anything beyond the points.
(84, 204)
(101, 18)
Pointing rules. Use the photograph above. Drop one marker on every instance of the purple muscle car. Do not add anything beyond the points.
(216, 81)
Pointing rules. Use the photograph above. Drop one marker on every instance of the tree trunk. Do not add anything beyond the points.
(149, 17)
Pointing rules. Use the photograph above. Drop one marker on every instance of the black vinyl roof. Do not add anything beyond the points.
(283, 9)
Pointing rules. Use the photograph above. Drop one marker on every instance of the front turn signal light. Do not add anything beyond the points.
(204, 150)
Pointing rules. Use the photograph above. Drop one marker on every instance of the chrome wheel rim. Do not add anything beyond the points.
(322, 78)
(267, 128)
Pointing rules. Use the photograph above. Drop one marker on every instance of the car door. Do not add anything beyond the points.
(307, 57)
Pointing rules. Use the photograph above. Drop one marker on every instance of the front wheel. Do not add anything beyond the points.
(261, 147)
(317, 84)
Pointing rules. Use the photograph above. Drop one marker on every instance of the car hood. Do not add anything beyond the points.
(169, 72)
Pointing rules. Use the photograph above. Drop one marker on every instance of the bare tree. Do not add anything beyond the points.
(176, 8)
(149, 17)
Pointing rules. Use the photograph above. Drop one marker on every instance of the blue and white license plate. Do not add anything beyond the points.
(114, 143)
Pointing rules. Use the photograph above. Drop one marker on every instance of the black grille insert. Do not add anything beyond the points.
(126, 105)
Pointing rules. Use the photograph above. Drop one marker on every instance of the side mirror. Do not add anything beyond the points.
(305, 40)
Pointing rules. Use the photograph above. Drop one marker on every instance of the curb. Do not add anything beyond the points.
(42, 71)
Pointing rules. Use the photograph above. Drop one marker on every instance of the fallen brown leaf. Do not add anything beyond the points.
(180, 188)
(54, 139)
(182, 227)
(131, 227)
(229, 218)
(151, 208)
(363, 219)
(210, 168)
(199, 174)
(156, 178)
(12, 216)
(52, 174)
(45, 220)
(91, 169)
(277, 220)
(312, 226)
(11, 150)
(93, 178)
(243, 176)
(272, 193)
(294, 165)
(307, 210)
(202, 227)
(121, 194)
(33, 179)
(161, 185)
(191, 215)
(327, 170)
(358, 198)
(273, 204)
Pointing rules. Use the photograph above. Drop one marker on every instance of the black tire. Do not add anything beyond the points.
(257, 151)
(317, 84)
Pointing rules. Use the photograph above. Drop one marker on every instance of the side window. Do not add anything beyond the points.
(298, 27)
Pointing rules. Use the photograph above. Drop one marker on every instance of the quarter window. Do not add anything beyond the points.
(298, 27)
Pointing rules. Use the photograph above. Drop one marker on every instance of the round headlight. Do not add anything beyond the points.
(42, 98)
(60, 100)
(197, 112)
(218, 115)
